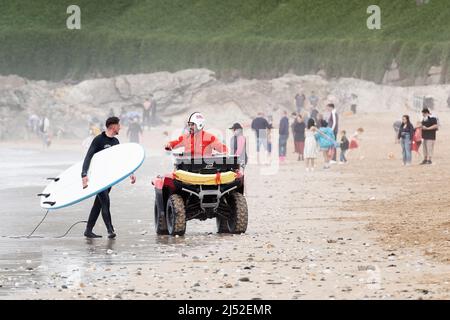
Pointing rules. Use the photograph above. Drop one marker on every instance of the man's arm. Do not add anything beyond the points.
(87, 159)
(175, 143)
(218, 146)
(333, 115)
(434, 126)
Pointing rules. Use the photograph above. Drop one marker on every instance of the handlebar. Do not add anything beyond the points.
(183, 154)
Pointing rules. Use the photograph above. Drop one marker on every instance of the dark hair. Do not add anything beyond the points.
(408, 122)
(331, 105)
(311, 123)
(426, 110)
(111, 121)
(323, 124)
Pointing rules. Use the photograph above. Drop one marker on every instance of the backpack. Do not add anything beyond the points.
(345, 144)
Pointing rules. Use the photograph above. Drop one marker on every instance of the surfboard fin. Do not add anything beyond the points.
(54, 179)
(43, 195)
(52, 203)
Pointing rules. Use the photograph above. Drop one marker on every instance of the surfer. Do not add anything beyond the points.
(103, 141)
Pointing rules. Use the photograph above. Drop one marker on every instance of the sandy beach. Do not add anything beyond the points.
(370, 229)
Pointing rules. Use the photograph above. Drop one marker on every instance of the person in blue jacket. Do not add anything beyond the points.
(327, 142)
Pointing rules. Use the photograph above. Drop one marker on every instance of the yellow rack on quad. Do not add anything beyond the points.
(205, 179)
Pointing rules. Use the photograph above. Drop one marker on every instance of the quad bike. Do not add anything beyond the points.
(201, 188)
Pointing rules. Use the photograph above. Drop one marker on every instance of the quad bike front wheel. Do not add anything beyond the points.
(238, 220)
(222, 225)
(160, 222)
(176, 215)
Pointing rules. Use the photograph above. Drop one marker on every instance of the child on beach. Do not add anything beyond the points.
(310, 150)
(417, 139)
(326, 140)
(355, 141)
(344, 147)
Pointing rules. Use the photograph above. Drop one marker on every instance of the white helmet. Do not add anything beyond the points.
(198, 119)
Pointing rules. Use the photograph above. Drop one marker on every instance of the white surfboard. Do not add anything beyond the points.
(108, 167)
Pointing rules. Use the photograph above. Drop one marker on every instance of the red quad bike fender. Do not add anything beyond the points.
(164, 186)
(164, 181)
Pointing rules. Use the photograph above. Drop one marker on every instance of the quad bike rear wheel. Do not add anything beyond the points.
(176, 215)
(238, 220)
(160, 222)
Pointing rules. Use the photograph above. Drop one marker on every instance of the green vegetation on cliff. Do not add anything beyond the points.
(258, 38)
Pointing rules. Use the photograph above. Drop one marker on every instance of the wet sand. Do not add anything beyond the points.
(343, 233)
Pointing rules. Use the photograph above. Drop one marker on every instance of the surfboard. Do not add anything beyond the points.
(108, 167)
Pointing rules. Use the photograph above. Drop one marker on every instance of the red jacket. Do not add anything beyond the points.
(202, 143)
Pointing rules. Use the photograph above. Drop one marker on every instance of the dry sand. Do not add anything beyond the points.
(370, 229)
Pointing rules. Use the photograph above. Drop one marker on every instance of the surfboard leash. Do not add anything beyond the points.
(32, 232)
(41, 237)
(65, 234)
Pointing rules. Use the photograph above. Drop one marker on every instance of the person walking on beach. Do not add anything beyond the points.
(355, 142)
(405, 136)
(283, 132)
(300, 102)
(429, 128)
(260, 125)
(314, 114)
(154, 120)
(269, 135)
(238, 144)
(134, 130)
(298, 130)
(344, 144)
(33, 124)
(44, 131)
(417, 139)
(146, 113)
(333, 123)
(294, 120)
(313, 100)
(310, 151)
(326, 140)
(103, 141)
(397, 124)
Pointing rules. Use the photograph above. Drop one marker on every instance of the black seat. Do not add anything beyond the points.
(207, 165)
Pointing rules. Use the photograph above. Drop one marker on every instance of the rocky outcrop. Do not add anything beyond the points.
(179, 93)
(434, 75)
(392, 75)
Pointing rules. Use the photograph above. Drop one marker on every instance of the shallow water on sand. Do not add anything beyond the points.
(35, 262)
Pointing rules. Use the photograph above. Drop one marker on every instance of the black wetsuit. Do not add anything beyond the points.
(100, 142)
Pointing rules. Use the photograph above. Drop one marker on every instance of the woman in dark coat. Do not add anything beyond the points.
(405, 135)
(299, 136)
